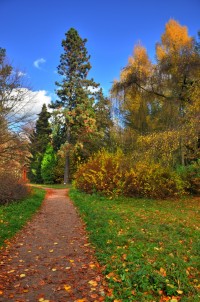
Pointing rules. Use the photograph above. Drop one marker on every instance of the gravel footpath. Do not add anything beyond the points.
(51, 259)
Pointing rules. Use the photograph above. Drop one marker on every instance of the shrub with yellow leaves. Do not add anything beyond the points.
(113, 174)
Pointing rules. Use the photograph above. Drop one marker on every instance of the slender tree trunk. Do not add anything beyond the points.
(67, 160)
(66, 171)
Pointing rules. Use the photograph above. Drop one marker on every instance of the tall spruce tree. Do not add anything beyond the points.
(39, 141)
(75, 91)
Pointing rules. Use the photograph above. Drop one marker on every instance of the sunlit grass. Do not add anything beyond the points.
(14, 216)
(150, 249)
(52, 186)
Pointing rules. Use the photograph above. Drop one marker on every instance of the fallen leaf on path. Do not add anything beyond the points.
(67, 287)
(98, 278)
(94, 296)
(93, 283)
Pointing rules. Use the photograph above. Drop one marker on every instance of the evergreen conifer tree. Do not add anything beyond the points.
(75, 91)
(39, 141)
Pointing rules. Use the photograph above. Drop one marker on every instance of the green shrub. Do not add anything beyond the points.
(48, 165)
(191, 175)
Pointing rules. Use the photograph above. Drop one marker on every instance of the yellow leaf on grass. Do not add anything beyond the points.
(163, 272)
(67, 287)
(179, 292)
(71, 261)
(53, 269)
(93, 283)
(22, 275)
(50, 251)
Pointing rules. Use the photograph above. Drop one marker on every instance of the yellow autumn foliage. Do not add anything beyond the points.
(114, 174)
(175, 39)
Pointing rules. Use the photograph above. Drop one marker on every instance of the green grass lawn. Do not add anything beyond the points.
(15, 215)
(52, 186)
(149, 249)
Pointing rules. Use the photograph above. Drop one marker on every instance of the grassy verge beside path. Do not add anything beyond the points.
(150, 249)
(52, 186)
(15, 215)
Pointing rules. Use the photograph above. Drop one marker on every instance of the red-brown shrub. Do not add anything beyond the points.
(11, 188)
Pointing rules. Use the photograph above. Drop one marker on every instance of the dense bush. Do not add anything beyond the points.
(191, 174)
(153, 181)
(48, 165)
(102, 173)
(11, 188)
(112, 174)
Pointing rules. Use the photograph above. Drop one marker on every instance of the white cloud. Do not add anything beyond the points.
(35, 100)
(38, 62)
(21, 74)
(25, 102)
(93, 89)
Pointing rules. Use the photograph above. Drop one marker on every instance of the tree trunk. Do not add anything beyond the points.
(66, 171)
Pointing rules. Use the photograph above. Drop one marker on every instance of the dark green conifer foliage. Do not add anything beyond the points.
(39, 141)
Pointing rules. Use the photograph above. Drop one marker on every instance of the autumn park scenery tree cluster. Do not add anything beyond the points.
(143, 140)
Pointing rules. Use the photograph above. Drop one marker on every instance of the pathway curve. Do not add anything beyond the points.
(51, 259)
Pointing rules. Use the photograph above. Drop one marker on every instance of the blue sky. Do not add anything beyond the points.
(32, 31)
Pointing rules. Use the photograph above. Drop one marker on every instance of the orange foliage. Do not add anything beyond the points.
(174, 40)
(139, 63)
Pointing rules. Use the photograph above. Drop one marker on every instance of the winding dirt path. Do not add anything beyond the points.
(51, 259)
